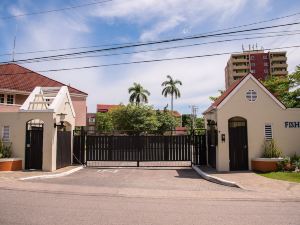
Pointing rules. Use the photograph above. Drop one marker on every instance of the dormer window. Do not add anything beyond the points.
(1, 98)
(10, 99)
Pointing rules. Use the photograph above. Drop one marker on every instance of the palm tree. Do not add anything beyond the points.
(170, 88)
(138, 94)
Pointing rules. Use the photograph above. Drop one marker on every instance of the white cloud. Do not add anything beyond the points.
(154, 19)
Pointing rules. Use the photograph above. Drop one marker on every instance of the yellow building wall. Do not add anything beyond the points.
(17, 123)
(258, 113)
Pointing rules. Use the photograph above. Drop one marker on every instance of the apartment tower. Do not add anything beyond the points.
(261, 64)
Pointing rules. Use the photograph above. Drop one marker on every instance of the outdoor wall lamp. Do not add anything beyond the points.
(223, 137)
(211, 123)
(61, 121)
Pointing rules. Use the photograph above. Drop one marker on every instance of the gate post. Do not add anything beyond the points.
(83, 155)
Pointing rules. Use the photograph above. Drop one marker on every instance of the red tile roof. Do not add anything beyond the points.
(176, 114)
(16, 77)
(224, 95)
(105, 108)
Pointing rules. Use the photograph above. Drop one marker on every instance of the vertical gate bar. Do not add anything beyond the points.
(166, 149)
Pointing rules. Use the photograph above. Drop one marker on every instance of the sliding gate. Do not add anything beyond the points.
(142, 148)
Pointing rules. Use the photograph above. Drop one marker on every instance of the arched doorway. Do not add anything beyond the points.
(238, 143)
(34, 144)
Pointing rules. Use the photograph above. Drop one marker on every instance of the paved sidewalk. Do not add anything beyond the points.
(254, 182)
(15, 175)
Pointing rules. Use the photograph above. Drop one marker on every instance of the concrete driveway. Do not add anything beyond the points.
(153, 178)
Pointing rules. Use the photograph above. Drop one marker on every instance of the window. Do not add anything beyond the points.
(5, 133)
(10, 99)
(268, 132)
(252, 57)
(252, 71)
(265, 57)
(251, 95)
(266, 71)
(266, 64)
(1, 98)
(92, 120)
(252, 64)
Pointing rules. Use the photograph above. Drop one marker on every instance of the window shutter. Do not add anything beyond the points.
(5, 135)
(268, 132)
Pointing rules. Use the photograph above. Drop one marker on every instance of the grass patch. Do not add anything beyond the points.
(287, 176)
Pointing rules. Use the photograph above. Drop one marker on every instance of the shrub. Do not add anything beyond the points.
(295, 158)
(284, 164)
(5, 150)
(271, 150)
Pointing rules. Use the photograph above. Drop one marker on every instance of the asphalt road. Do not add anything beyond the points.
(116, 196)
(40, 208)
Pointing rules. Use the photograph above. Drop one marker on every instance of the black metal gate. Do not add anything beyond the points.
(63, 154)
(34, 145)
(88, 148)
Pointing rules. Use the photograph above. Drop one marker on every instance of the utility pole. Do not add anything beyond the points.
(14, 47)
(194, 110)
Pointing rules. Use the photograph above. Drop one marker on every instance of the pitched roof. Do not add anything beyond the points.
(105, 108)
(176, 114)
(16, 77)
(223, 96)
(231, 88)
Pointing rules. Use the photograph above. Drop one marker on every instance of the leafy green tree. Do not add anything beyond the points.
(165, 120)
(214, 98)
(170, 88)
(104, 122)
(286, 89)
(138, 94)
(187, 121)
(134, 119)
(199, 123)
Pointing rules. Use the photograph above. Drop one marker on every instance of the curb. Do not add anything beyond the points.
(53, 175)
(215, 179)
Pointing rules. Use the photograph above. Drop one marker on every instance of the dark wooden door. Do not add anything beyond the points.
(63, 154)
(34, 148)
(238, 144)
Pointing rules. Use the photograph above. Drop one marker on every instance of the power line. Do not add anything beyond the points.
(158, 49)
(157, 42)
(55, 10)
(144, 61)
(255, 23)
(116, 44)
(94, 46)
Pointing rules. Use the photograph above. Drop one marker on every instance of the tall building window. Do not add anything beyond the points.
(92, 120)
(268, 132)
(265, 57)
(266, 64)
(10, 99)
(1, 98)
(252, 64)
(5, 133)
(252, 71)
(252, 57)
(266, 70)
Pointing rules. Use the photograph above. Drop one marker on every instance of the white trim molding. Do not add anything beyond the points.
(236, 89)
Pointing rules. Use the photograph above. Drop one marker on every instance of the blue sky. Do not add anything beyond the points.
(122, 21)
